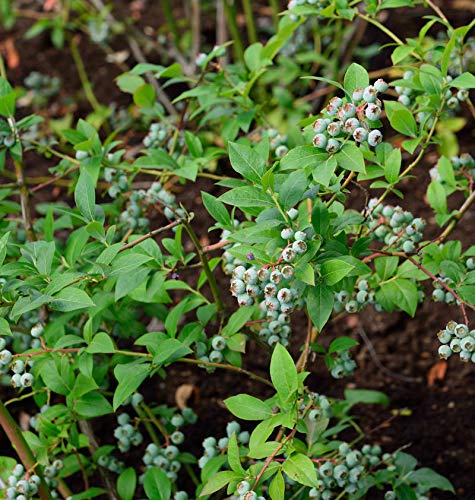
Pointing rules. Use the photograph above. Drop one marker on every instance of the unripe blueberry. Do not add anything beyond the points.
(362, 296)
(270, 290)
(238, 272)
(468, 344)
(320, 125)
(37, 331)
(243, 437)
(287, 272)
(351, 125)
(449, 298)
(263, 274)
(360, 134)
(232, 427)
(287, 233)
(452, 102)
(300, 235)
(18, 366)
(332, 146)
(16, 381)
(470, 263)
(237, 287)
(465, 356)
(337, 371)
(444, 336)
(81, 155)
(336, 101)
(375, 137)
(462, 95)
(250, 495)
(299, 247)
(461, 330)
(273, 340)
(348, 110)
(6, 356)
(284, 295)
(320, 141)
(380, 85)
(370, 94)
(358, 95)
(351, 306)
(288, 255)
(408, 246)
(244, 300)
(373, 112)
(137, 398)
(334, 129)
(243, 487)
(177, 437)
(340, 472)
(293, 213)
(216, 356)
(250, 277)
(455, 345)
(218, 343)
(326, 469)
(404, 99)
(171, 452)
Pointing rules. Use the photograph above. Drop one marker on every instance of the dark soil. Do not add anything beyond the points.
(396, 353)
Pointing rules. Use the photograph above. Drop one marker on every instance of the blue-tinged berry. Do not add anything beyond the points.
(293, 213)
(375, 137)
(287, 233)
(320, 125)
(27, 380)
(288, 254)
(218, 343)
(360, 134)
(408, 246)
(286, 272)
(171, 452)
(334, 129)
(231, 428)
(243, 487)
(404, 99)
(468, 344)
(465, 356)
(216, 356)
(373, 112)
(177, 437)
(455, 345)
(299, 247)
(370, 94)
(358, 95)
(320, 141)
(18, 366)
(461, 330)
(351, 125)
(380, 85)
(6, 357)
(444, 336)
(332, 146)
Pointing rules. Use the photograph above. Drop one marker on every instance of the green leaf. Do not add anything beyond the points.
(356, 77)
(170, 350)
(277, 487)
(4, 328)
(428, 478)
(355, 396)
(246, 162)
(324, 170)
(400, 118)
(126, 262)
(126, 484)
(464, 81)
(248, 407)
(431, 79)
(3, 246)
(218, 481)
(216, 209)
(350, 157)
(144, 96)
(386, 267)
(234, 459)
(392, 166)
(403, 294)
(71, 299)
(405, 492)
(129, 376)
(292, 189)
(85, 196)
(320, 218)
(320, 301)
(92, 405)
(334, 270)
(247, 196)
(302, 157)
(89, 493)
(156, 484)
(341, 344)
(283, 373)
(437, 197)
(101, 343)
(301, 469)
(237, 320)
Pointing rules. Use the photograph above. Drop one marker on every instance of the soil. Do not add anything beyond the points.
(433, 419)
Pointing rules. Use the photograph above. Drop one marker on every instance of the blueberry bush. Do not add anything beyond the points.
(116, 283)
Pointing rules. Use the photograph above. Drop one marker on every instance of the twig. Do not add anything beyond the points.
(195, 28)
(312, 334)
(151, 234)
(250, 27)
(456, 218)
(24, 201)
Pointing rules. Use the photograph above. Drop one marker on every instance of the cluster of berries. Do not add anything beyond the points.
(212, 447)
(440, 294)
(167, 458)
(321, 407)
(34, 420)
(342, 364)
(395, 227)
(277, 142)
(408, 96)
(42, 86)
(348, 471)
(20, 378)
(212, 350)
(157, 136)
(164, 458)
(21, 486)
(126, 434)
(460, 163)
(111, 463)
(355, 301)
(457, 338)
(356, 118)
